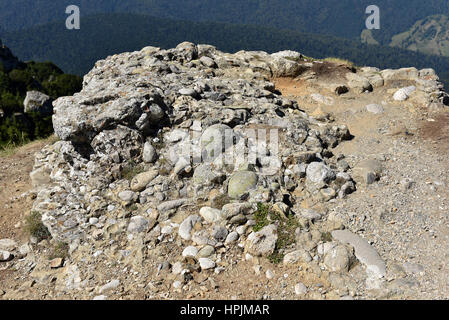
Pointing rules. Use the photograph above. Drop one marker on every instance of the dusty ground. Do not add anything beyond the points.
(406, 225)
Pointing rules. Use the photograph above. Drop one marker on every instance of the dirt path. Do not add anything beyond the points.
(405, 214)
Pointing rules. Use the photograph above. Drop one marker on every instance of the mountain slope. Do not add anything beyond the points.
(77, 51)
(430, 36)
(343, 18)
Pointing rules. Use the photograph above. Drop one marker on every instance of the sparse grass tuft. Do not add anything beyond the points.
(35, 227)
(326, 237)
(131, 170)
(286, 227)
(59, 250)
(340, 61)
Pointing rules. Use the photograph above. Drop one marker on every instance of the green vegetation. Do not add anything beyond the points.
(131, 170)
(76, 52)
(286, 227)
(17, 128)
(59, 250)
(34, 226)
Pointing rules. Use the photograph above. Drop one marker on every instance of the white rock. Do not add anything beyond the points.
(206, 263)
(232, 237)
(8, 244)
(211, 215)
(300, 289)
(110, 286)
(190, 251)
(185, 228)
(364, 252)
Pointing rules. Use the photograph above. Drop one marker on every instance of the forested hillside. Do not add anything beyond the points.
(103, 35)
(17, 127)
(343, 18)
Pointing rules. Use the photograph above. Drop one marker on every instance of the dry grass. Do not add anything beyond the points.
(11, 149)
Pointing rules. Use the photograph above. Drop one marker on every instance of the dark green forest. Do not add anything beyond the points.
(76, 51)
(342, 18)
(17, 127)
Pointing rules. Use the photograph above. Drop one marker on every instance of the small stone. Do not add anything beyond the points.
(269, 274)
(300, 289)
(240, 183)
(149, 153)
(138, 224)
(219, 233)
(263, 242)
(375, 108)
(186, 227)
(206, 252)
(140, 181)
(177, 268)
(56, 263)
(318, 172)
(128, 196)
(101, 297)
(211, 215)
(300, 255)
(337, 259)
(232, 237)
(206, 263)
(5, 256)
(190, 251)
(110, 286)
(8, 244)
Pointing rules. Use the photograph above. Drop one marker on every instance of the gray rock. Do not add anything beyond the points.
(300, 289)
(338, 259)
(149, 153)
(206, 263)
(190, 251)
(375, 108)
(358, 83)
(263, 242)
(185, 228)
(140, 181)
(219, 233)
(128, 196)
(5, 256)
(113, 284)
(8, 244)
(215, 140)
(205, 175)
(208, 62)
(318, 172)
(211, 215)
(300, 255)
(232, 237)
(172, 204)
(364, 252)
(404, 93)
(138, 224)
(206, 251)
(240, 183)
(39, 102)
(367, 171)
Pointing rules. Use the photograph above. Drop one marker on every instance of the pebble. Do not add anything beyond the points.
(206, 263)
(110, 285)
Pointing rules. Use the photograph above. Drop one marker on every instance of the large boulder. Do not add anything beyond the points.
(39, 102)
(241, 182)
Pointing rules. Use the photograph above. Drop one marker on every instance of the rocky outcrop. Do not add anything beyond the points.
(184, 153)
(39, 102)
